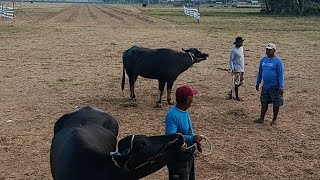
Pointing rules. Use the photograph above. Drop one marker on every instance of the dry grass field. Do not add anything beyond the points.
(56, 58)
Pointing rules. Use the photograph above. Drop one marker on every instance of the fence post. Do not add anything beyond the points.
(198, 19)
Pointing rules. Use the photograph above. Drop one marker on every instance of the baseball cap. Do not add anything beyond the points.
(184, 92)
(271, 46)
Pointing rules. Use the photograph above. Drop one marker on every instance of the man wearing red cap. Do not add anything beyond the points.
(178, 121)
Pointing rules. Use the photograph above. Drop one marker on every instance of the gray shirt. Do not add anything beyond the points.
(237, 59)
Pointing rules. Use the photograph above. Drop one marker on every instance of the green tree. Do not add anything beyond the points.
(292, 7)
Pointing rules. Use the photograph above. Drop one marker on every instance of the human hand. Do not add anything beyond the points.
(257, 87)
(281, 92)
(199, 147)
(197, 138)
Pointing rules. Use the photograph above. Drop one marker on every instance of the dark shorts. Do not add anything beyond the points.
(271, 95)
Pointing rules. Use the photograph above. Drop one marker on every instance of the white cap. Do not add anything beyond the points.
(271, 46)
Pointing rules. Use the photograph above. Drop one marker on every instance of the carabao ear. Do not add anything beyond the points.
(186, 50)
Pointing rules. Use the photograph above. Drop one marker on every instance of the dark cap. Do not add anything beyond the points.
(184, 92)
(238, 39)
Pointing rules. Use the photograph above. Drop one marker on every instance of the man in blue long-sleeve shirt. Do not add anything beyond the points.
(271, 72)
(178, 121)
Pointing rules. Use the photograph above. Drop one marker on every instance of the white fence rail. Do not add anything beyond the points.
(248, 5)
(192, 12)
(7, 10)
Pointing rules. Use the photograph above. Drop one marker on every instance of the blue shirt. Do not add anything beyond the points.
(271, 72)
(178, 121)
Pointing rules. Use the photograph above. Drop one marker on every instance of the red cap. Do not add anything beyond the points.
(183, 92)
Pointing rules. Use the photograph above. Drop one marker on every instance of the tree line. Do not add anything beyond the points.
(276, 7)
(292, 7)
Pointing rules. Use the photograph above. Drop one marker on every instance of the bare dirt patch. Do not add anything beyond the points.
(56, 58)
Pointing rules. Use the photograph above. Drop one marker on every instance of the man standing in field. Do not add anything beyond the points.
(271, 72)
(178, 120)
(237, 68)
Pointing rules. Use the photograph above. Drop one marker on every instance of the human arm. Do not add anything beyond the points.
(231, 59)
(281, 76)
(259, 76)
(197, 139)
(242, 59)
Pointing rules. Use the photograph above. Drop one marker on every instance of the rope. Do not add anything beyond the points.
(191, 55)
(132, 142)
(195, 145)
(210, 144)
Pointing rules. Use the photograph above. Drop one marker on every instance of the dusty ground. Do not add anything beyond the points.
(56, 58)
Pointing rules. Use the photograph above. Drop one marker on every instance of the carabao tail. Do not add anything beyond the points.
(123, 79)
